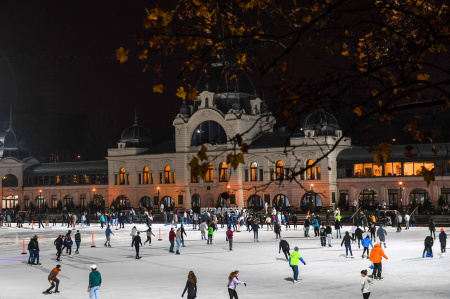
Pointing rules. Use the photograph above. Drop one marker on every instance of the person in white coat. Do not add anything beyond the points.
(133, 234)
(407, 221)
(365, 284)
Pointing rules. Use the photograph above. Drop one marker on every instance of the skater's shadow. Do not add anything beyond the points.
(280, 259)
(291, 279)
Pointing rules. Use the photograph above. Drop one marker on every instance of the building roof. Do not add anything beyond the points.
(272, 139)
(66, 168)
(424, 152)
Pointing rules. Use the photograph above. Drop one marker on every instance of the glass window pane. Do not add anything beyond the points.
(408, 168)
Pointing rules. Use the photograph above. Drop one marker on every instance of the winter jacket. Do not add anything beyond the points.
(381, 231)
(229, 234)
(346, 239)
(376, 254)
(366, 242)
(329, 230)
(69, 242)
(294, 257)
(358, 233)
(337, 224)
(211, 230)
(277, 228)
(283, 245)
(53, 274)
(34, 244)
(191, 289)
(365, 285)
(58, 243)
(136, 241)
(95, 279)
(315, 223)
(255, 227)
(307, 223)
(77, 237)
(373, 228)
(172, 235)
(108, 232)
(178, 234)
(322, 232)
(233, 284)
(443, 237)
(429, 241)
(203, 226)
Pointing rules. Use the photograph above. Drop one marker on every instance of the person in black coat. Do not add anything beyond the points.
(59, 243)
(191, 286)
(443, 241)
(348, 245)
(358, 234)
(136, 242)
(429, 241)
(337, 227)
(294, 220)
(285, 246)
(307, 224)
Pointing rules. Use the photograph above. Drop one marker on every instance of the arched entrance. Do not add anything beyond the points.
(169, 204)
(255, 203)
(99, 202)
(122, 202)
(313, 200)
(10, 180)
(196, 203)
(40, 200)
(223, 199)
(368, 199)
(280, 202)
(146, 202)
(422, 199)
(67, 201)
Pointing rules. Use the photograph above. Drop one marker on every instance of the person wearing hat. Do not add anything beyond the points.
(381, 233)
(366, 242)
(443, 241)
(293, 262)
(53, 280)
(95, 281)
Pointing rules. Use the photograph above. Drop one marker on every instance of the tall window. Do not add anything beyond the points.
(254, 171)
(223, 172)
(280, 170)
(393, 197)
(54, 201)
(167, 175)
(122, 176)
(310, 171)
(208, 132)
(123, 201)
(146, 176)
(210, 173)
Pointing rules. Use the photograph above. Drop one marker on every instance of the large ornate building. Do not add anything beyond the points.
(140, 174)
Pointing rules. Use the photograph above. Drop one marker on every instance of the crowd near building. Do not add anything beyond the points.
(140, 174)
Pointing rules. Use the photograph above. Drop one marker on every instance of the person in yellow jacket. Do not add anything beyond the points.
(376, 256)
(293, 262)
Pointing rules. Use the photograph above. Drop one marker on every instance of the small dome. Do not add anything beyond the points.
(136, 136)
(322, 122)
(223, 78)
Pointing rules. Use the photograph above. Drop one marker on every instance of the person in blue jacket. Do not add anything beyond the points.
(366, 242)
(316, 227)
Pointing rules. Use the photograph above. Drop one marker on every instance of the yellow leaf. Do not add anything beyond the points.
(344, 53)
(242, 58)
(195, 167)
(181, 93)
(193, 94)
(202, 153)
(196, 2)
(122, 55)
(382, 153)
(146, 23)
(143, 54)
(423, 77)
(158, 88)
(428, 175)
(357, 111)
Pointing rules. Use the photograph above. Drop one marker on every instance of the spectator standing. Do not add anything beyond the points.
(95, 281)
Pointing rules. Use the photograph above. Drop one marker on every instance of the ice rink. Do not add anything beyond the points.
(160, 274)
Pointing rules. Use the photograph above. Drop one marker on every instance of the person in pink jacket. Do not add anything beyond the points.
(233, 281)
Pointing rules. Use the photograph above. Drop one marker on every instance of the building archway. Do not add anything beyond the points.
(98, 202)
(122, 202)
(196, 203)
(146, 202)
(169, 204)
(223, 199)
(40, 201)
(10, 180)
(255, 203)
(280, 202)
(313, 199)
(421, 196)
(368, 199)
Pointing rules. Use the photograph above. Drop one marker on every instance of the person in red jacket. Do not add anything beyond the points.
(172, 236)
(53, 280)
(376, 256)
(229, 234)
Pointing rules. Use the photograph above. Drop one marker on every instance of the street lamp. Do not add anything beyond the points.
(311, 188)
(40, 198)
(400, 190)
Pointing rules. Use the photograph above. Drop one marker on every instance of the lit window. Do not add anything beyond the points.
(223, 172)
(210, 173)
(254, 171)
(279, 170)
(122, 176)
(167, 174)
(146, 176)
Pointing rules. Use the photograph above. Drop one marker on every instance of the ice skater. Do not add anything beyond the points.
(277, 230)
(233, 282)
(284, 245)
(443, 241)
(149, 236)
(337, 227)
(136, 242)
(210, 233)
(323, 236)
(178, 237)
(359, 235)
(366, 242)
(381, 234)
(348, 245)
(365, 284)
(53, 280)
(203, 227)
(376, 256)
(432, 228)
(172, 236)
(95, 281)
(191, 286)
(329, 232)
(229, 237)
(77, 241)
(183, 233)
(58, 243)
(293, 262)
(373, 231)
(428, 250)
(108, 233)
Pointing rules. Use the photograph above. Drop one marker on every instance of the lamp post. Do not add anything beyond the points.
(158, 193)
(400, 190)
(93, 198)
(40, 198)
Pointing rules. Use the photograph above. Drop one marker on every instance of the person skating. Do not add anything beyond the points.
(407, 218)
(373, 231)
(284, 245)
(294, 221)
(353, 230)
(172, 236)
(294, 257)
(329, 232)
(53, 280)
(95, 281)
(337, 227)
(178, 236)
(255, 227)
(366, 242)
(315, 224)
(348, 245)
(203, 227)
(432, 228)
(277, 230)
(183, 233)
(443, 241)
(133, 234)
(30, 250)
(136, 242)
(365, 284)
(149, 236)
(381, 234)
(323, 236)
(69, 244)
(399, 222)
(359, 235)
(233, 282)
(36, 250)
(58, 243)
(229, 237)
(210, 233)
(108, 233)
(376, 256)
(306, 226)
(428, 250)
(77, 241)
(191, 286)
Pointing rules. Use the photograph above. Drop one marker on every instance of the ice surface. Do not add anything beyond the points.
(160, 274)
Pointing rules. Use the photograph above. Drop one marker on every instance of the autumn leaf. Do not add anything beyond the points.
(423, 77)
(428, 175)
(382, 153)
(284, 67)
(181, 93)
(143, 54)
(122, 55)
(241, 58)
(235, 160)
(202, 153)
(158, 88)
(408, 152)
(244, 147)
(230, 159)
(146, 23)
(357, 111)
(344, 53)
(195, 167)
(193, 94)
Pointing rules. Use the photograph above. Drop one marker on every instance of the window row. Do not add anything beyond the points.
(72, 179)
(146, 177)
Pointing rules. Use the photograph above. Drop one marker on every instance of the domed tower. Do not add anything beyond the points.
(12, 144)
(135, 136)
(321, 123)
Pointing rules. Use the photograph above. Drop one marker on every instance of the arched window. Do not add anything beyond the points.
(255, 202)
(195, 202)
(209, 177)
(280, 170)
(122, 176)
(167, 174)
(10, 180)
(313, 199)
(223, 199)
(419, 195)
(368, 199)
(146, 202)
(310, 171)
(99, 201)
(280, 201)
(40, 200)
(122, 202)
(168, 203)
(254, 171)
(67, 200)
(223, 172)
(208, 132)
(146, 175)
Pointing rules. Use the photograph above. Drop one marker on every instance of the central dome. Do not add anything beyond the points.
(136, 136)
(322, 122)
(224, 78)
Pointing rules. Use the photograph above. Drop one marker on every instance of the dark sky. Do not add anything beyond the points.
(58, 69)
